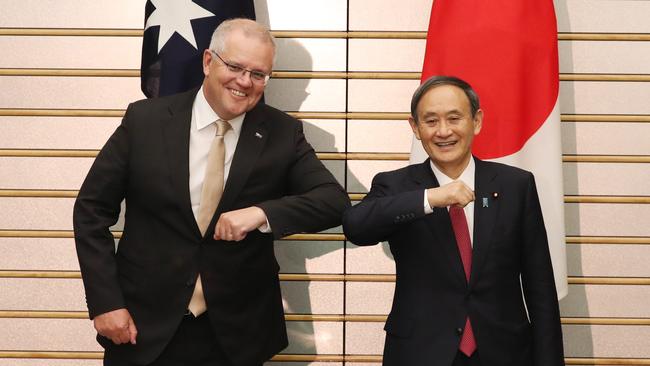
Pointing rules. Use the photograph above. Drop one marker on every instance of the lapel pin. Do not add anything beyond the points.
(495, 195)
(485, 202)
(258, 135)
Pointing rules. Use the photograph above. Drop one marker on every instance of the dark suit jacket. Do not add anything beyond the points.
(432, 297)
(161, 251)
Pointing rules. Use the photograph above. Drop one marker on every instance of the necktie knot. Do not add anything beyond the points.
(222, 127)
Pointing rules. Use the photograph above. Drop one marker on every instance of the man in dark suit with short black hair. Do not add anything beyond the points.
(210, 177)
(474, 278)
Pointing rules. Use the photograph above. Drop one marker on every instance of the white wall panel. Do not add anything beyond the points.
(314, 338)
(314, 95)
(71, 52)
(606, 341)
(595, 219)
(608, 260)
(374, 259)
(72, 14)
(48, 335)
(325, 15)
(364, 338)
(36, 213)
(604, 97)
(55, 132)
(43, 173)
(369, 297)
(326, 135)
(386, 55)
(309, 256)
(606, 301)
(616, 138)
(69, 92)
(386, 15)
(42, 294)
(361, 172)
(310, 54)
(41, 362)
(607, 179)
(316, 297)
(38, 254)
(381, 95)
(602, 16)
(603, 57)
(379, 136)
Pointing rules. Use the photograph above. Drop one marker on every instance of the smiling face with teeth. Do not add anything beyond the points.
(231, 94)
(446, 128)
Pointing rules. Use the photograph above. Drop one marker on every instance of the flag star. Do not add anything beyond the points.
(174, 17)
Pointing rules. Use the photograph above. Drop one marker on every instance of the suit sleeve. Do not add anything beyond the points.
(381, 212)
(96, 209)
(315, 202)
(539, 285)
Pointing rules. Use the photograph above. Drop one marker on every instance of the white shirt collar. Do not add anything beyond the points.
(467, 176)
(205, 115)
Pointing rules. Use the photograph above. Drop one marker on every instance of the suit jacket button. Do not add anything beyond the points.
(459, 331)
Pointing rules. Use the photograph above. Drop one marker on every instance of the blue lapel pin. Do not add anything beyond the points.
(485, 202)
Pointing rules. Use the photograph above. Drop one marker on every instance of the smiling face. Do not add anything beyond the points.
(446, 128)
(228, 93)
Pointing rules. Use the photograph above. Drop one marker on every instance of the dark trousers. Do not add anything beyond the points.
(462, 360)
(193, 344)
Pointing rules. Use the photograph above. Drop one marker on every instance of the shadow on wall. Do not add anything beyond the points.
(295, 256)
(578, 339)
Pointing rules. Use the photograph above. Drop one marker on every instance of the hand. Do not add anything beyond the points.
(235, 225)
(116, 325)
(455, 193)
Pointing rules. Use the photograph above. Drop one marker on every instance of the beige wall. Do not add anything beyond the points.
(52, 123)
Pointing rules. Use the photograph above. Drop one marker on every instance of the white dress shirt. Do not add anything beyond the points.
(202, 132)
(467, 177)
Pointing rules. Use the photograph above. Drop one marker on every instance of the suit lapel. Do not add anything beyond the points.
(176, 133)
(486, 210)
(439, 224)
(252, 138)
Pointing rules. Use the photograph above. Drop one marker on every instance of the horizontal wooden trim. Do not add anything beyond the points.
(290, 277)
(396, 116)
(52, 355)
(41, 112)
(624, 240)
(375, 318)
(562, 36)
(71, 32)
(69, 72)
(606, 158)
(365, 75)
(39, 193)
(606, 361)
(67, 153)
(607, 118)
(607, 199)
(137, 32)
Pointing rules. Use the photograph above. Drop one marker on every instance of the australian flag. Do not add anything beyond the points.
(175, 36)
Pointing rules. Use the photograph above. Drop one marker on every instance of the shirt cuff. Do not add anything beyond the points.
(427, 206)
(265, 228)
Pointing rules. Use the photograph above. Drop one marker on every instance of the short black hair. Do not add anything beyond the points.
(438, 80)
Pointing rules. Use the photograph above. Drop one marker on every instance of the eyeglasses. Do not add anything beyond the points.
(257, 77)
